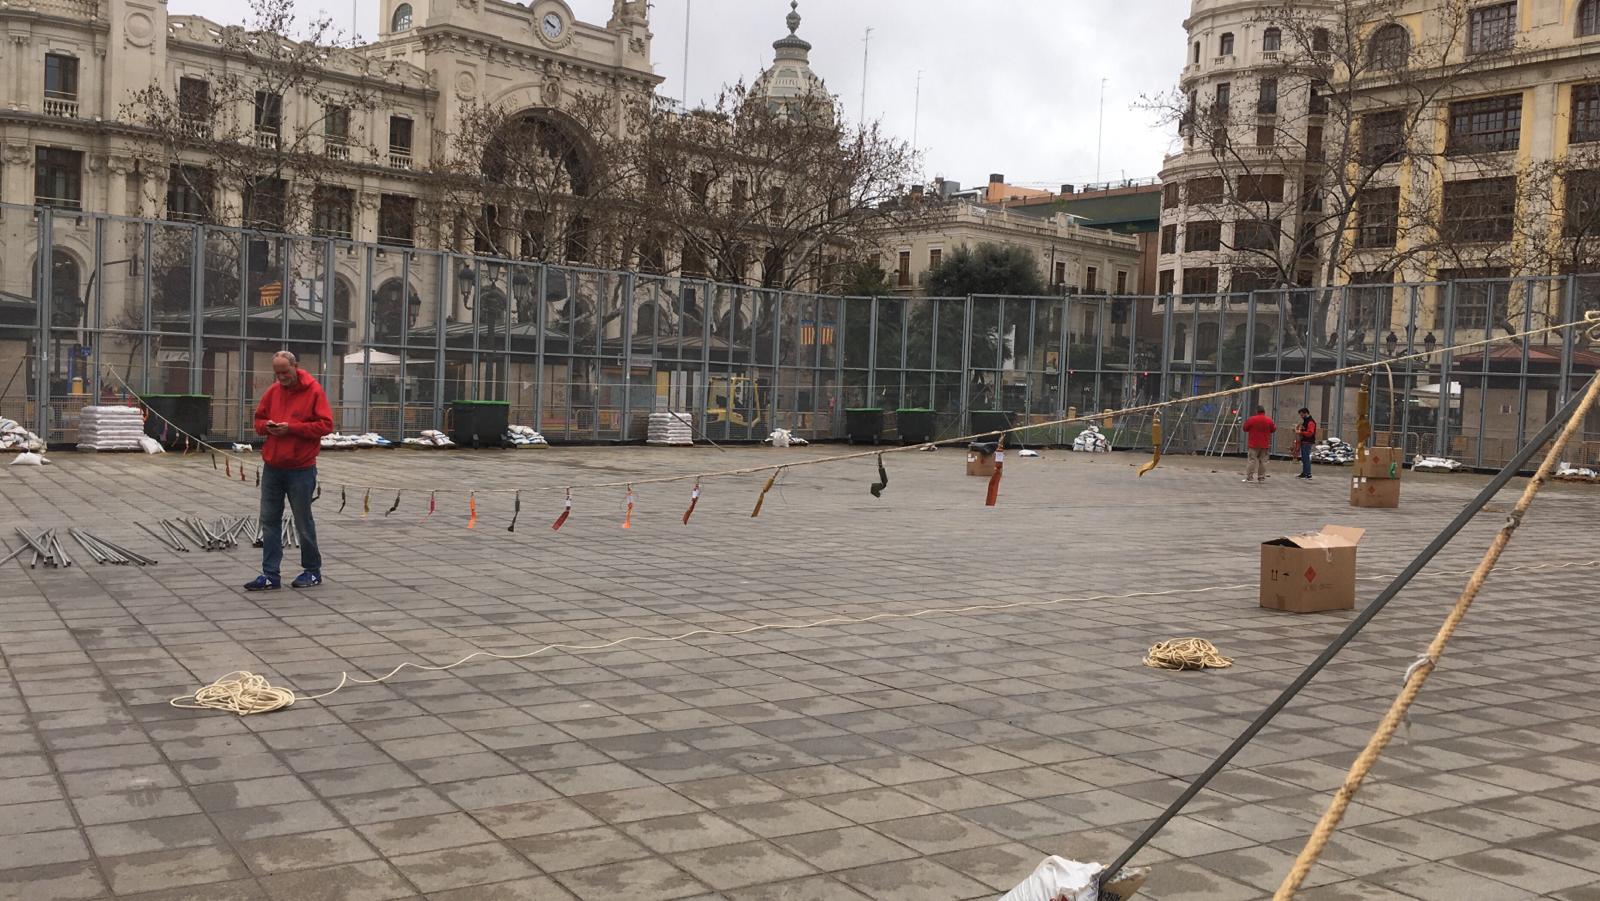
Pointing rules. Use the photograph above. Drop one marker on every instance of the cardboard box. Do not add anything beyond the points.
(1382, 463)
(1312, 571)
(980, 464)
(1378, 494)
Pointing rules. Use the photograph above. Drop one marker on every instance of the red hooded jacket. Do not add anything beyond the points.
(305, 408)
(1260, 428)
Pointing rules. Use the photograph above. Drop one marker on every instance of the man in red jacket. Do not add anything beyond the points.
(294, 415)
(1259, 428)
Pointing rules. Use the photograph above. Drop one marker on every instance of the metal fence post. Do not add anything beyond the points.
(442, 307)
(966, 369)
(93, 382)
(366, 339)
(872, 351)
(541, 306)
(197, 290)
(629, 282)
(1441, 438)
(44, 260)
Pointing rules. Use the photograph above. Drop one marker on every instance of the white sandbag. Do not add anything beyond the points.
(1058, 879)
(28, 458)
(151, 445)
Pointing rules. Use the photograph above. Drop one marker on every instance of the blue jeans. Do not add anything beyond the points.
(1305, 459)
(297, 485)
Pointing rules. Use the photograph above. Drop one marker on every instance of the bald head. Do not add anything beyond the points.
(285, 368)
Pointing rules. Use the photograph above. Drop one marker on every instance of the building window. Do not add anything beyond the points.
(332, 212)
(1170, 198)
(189, 194)
(1318, 104)
(1091, 280)
(1122, 282)
(1389, 47)
(1197, 53)
(264, 204)
(1485, 126)
(1321, 41)
(1169, 239)
(579, 240)
(1224, 100)
(776, 206)
(1267, 102)
(1202, 235)
(1480, 209)
(269, 118)
(194, 106)
(935, 257)
(1266, 135)
(58, 178)
(1059, 277)
(1205, 190)
(1377, 217)
(1260, 188)
(1225, 44)
(1256, 234)
(399, 137)
(1371, 302)
(1582, 203)
(741, 193)
(1478, 292)
(1382, 137)
(903, 270)
(402, 18)
(60, 85)
(397, 216)
(1585, 111)
(1164, 282)
(1272, 40)
(336, 131)
(1200, 281)
(1314, 143)
(1491, 28)
(1588, 18)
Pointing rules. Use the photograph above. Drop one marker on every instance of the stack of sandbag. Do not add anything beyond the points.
(430, 439)
(110, 428)
(13, 437)
(1091, 440)
(1421, 463)
(1568, 472)
(670, 429)
(1334, 452)
(785, 438)
(342, 441)
(524, 436)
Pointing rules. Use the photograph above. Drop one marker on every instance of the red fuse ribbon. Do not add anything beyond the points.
(694, 498)
(566, 511)
(994, 480)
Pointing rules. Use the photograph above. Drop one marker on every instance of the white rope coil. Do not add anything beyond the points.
(238, 692)
(1186, 654)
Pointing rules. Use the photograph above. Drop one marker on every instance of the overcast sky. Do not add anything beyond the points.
(1008, 86)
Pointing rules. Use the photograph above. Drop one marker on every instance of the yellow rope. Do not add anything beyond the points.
(1590, 322)
(1419, 671)
(1186, 653)
(239, 692)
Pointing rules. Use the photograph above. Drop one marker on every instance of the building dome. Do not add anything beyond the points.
(789, 81)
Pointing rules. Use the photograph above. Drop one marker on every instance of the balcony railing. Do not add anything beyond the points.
(399, 159)
(337, 149)
(63, 105)
(194, 126)
(267, 139)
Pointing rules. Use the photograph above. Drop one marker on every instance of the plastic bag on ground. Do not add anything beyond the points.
(29, 458)
(1058, 879)
(151, 445)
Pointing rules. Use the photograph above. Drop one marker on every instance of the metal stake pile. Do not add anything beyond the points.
(221, 535)
(46, 548)
(104, 551)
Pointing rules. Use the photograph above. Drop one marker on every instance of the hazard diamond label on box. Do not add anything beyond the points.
(1311, 574)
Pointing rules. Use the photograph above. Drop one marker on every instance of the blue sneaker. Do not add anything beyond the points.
(306, 580)
(262, 583)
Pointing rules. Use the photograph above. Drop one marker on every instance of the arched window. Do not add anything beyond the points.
(1588, 18)
(1197, 52)
(1391, 45)
(66, 301)
(1225, 45)
(402, 18)
(1272, 40)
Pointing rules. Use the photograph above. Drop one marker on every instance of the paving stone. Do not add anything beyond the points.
(371, 880)
(733, 866)
(913, 880)
(458, 867)
(307, 850)
(652, 878)
(154, 870)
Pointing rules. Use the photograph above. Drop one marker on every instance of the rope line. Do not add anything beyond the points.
(1417, 674)
(1186, 654)
(1591, 321)
(242, 689)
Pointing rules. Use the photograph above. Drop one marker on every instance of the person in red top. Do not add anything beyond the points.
(1259, 428)
(1305, 435)
(294, 415)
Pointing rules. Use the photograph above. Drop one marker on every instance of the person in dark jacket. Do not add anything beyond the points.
(294, 415)
(1305, 435)
(1259, 428)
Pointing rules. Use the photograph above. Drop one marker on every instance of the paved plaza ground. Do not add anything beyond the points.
(925, 759)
